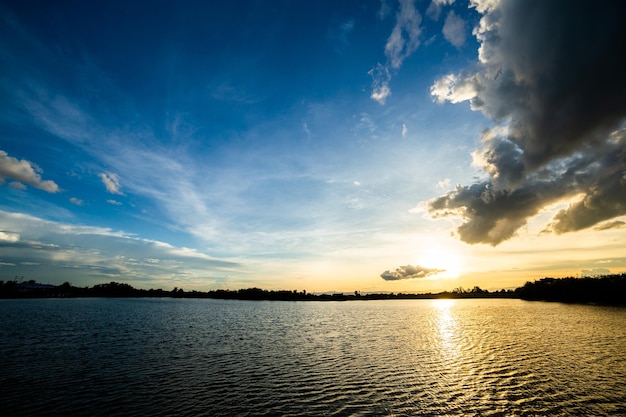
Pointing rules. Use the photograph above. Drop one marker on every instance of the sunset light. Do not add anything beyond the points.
(447, 259)
(378, 146)
(312, 208)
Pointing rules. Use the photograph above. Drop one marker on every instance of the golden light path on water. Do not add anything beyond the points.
(190, 357)
(447, 325)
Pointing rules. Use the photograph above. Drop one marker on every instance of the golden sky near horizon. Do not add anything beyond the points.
(378, 146)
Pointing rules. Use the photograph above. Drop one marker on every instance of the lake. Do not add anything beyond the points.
(200, 357)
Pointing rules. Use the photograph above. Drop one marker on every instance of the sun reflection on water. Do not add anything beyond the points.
(443, 303)
(446, 325)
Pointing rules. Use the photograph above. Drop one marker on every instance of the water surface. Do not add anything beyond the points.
(103, 357)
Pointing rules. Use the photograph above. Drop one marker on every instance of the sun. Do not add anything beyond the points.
(441, 257)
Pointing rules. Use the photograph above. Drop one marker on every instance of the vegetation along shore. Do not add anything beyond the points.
(605, 289)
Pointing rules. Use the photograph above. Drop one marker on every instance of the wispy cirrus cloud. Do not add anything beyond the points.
(339, 33)
(129, 149)
(434, 8)
(405, 36)
(131, 154)
(24, 172)
(60, 252)
(224, 197)
(401, 43)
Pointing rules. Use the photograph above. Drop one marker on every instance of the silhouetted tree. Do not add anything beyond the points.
(606, 289)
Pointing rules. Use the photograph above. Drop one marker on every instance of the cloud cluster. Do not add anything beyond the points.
(549, 79)
(57, 251)
(23, 171)
(405, 39)
(409, 272)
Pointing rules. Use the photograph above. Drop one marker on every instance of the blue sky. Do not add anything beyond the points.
(308, 145)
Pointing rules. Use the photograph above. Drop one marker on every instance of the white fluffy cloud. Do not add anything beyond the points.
(112, 182)
(454, 29)
(454, 89)
(24, 171)
(381, 93)
(77, 201)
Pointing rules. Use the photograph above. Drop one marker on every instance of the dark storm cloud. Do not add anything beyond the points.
(549, 77)
(409, 272)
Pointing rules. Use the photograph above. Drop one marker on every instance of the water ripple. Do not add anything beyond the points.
(381, 358)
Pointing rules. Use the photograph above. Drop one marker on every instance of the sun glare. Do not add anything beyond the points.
(441, 257)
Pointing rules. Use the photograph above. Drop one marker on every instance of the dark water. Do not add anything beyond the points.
(104, 357)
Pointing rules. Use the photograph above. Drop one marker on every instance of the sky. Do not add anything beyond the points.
(378, 146)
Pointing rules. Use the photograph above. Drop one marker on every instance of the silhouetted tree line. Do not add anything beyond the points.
(607, 289)
(31, 289)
